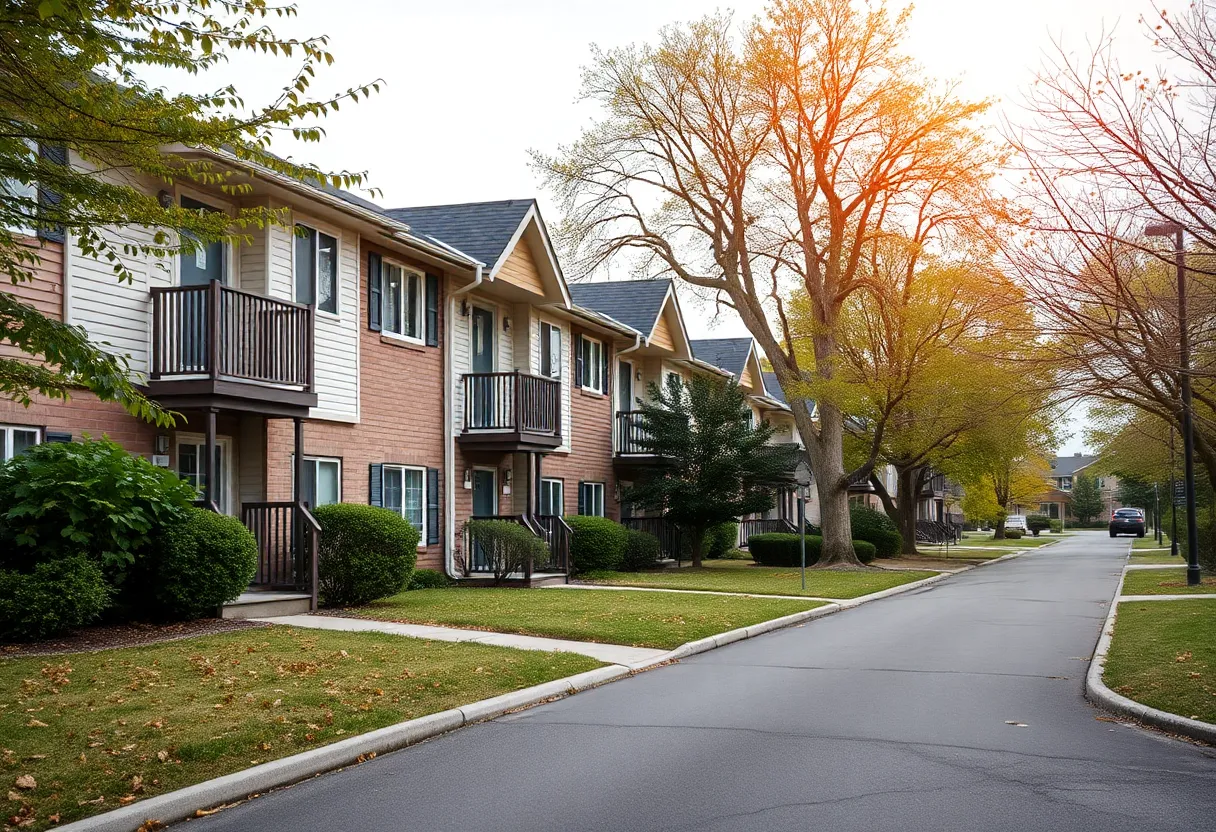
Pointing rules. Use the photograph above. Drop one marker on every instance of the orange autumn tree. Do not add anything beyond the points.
(763, 162)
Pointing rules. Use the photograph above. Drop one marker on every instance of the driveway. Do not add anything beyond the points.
(955, 707)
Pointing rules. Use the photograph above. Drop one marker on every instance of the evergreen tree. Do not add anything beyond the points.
(73, 103)
(720, 466)
(1086, 499)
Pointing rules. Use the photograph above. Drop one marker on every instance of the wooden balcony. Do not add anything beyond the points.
(216, 346)
(631, 442)
(511, 412)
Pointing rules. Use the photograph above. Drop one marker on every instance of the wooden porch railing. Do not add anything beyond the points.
(556, 533)
(668, 533)
(631, 437)
(288, 538)
(553, 530)
(747, 528)
(512, 401)
(221, 332)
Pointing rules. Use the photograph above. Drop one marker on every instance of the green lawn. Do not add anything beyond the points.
(640, 619)
(1026, 542)
(1165, 582)
(743, 576)
(962, 553)
(1154, 557)
(99, 730)
(1150, 542)
(1164, 655)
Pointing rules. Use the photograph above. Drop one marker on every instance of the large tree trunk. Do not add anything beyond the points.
(999, 532)
(697, 545)
(910, 481)
(827, 462)
(895, 509)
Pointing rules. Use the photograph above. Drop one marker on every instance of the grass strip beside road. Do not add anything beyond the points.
(1163, 655)
(1156, 558)
(94, 731)
(1025, 542)
(1151, 542)
(1165, 582)
(743, 576)
(639, 619)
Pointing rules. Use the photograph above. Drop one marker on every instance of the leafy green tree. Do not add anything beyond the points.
(74, 104)
(1086, 499)
(721, 466)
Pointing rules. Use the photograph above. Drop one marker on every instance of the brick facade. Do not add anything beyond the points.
(400, 414)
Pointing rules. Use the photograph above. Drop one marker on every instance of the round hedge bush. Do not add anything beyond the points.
(367, 553)
(56, 596)
(783, 549)
(201, 562)
(428, 579)
(1013, 534)
(865, 551)
(641, 551)
(875, 527)
(597, 543)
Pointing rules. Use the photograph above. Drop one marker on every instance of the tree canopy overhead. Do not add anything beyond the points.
(83, 134)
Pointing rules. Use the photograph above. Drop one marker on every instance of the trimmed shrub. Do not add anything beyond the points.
(1013, 534)
(865, 551)
(507, 546)
(596, 543)
(641, 551)
(200, 562)
(783, 549)
(720, 539)
(1057, 526)
(428, 579)
(736, 554)
(1038, 523)
(62, 499)
(366, 553)
(56, 596)
(876, 527)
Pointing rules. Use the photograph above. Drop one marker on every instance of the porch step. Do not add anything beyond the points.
(258, 604)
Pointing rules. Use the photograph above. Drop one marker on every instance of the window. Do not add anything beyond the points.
(192, 466)
(316, 269)
(322, 481)
(550, 350)
(24, 199)
(15, 440)
(591, 499)
(405, 493)
(594, 361)
(551, 498)
(403, 302)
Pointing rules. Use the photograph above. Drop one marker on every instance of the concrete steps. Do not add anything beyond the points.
(267, 604)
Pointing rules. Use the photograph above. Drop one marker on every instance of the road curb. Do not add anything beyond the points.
(240, 785)
(1099, 694)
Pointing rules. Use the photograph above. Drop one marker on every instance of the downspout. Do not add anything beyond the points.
(449, 434)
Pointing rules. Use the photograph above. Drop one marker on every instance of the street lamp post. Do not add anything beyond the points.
(1173, 229)
(1173, 501)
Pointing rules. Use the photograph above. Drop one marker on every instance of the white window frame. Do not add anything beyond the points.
(421, 471)
(10, 186)
(546, 332)
(591, 369)
(316, 268)
(403, 273)
(313, 460)
(227, 503)
(560, 485)
(7, 438)
(591, 488)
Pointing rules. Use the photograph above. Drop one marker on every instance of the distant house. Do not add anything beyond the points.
(1056, 502)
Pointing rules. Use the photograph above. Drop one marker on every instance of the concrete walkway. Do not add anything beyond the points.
(610, 653)
(1135, 566)
(1123, 599)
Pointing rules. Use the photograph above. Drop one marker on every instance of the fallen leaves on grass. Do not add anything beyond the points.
(26, 781)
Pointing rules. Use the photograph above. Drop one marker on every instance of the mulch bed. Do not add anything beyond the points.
(92, 639)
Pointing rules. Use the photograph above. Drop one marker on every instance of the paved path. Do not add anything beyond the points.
(611, 653)
(891, 716)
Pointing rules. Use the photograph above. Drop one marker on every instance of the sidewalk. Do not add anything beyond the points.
(609, 653)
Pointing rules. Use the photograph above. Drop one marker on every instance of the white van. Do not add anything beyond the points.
(1016, 521)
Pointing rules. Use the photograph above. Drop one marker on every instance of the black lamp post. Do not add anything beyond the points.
(1173, 229)
(1173, 501)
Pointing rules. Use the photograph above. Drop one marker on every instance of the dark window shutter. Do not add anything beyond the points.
(373, 291)
(432, 505)
(578, 365)
(49, 199)
(432, 310)
(375, 490)
(581, 500)
(54, 436)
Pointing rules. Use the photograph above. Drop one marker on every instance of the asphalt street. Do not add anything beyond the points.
(895, 715)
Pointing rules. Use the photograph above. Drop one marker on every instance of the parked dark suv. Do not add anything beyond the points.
(1127, 521)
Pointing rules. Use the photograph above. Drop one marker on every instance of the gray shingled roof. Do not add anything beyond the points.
(1066, 466)
(479, 229)
(774, 388)
(728, 354)
(635, 303)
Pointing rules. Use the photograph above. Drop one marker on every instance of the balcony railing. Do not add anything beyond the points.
(747, 528)
(631, 437)
(514, 401)
(220, 332)
(667, 532)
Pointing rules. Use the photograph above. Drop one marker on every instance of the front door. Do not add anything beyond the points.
(624, 386)
(205, 264)
(485, 504)
(484, 390)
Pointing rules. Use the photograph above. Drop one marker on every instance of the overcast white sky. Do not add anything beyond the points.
(471, 85)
